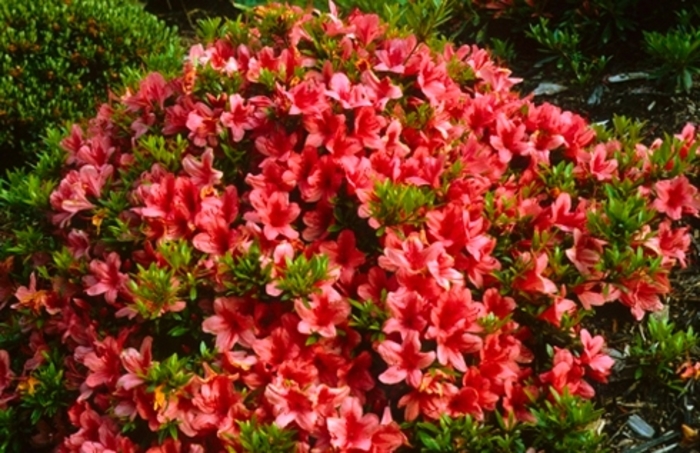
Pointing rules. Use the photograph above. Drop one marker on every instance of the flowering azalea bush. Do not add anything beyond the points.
(328, 236)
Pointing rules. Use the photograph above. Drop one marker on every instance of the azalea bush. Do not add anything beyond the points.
(327, 235)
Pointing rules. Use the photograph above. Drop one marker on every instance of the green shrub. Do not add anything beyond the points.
(678, 55)
(59, 58)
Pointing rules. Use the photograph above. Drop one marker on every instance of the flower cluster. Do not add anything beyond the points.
(329, 227)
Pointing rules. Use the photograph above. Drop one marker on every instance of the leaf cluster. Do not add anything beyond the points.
(659, 347)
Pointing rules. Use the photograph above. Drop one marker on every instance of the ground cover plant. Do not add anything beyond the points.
(328, 234)
(60, 59)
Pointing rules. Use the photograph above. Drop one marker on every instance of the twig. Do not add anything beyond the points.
(671, 435)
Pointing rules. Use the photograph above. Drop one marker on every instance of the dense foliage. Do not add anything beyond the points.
(59, 59)
(327, 234)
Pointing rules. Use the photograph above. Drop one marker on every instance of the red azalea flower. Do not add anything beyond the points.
(322, 313)
(217, 239)
(240, 118)
(598, 164)
(430, 398)
(412, 258)
(352, 429)
(307, 98)
(676, 197)
(356, 374)
(349, 96)
(103, 360)
(560, 306)
(671, 243)
(231, 324)
(68, 199)
(344, 253)
(405, 360)
(292, 404)
(383, 90)
(585, 253)
(153, 90)
(409, 312)
(567, 373)
(6, 374)
(275, 212)
(216, 403)
(641, 294)
(532, 279)
(599, 364)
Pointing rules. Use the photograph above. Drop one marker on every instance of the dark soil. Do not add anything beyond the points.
(672, 414)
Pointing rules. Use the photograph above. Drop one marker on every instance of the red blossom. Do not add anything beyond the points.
(405, 360)
(532, 279)
(231, 324)
(322, 313)
(352, 429)
(275, 212)
(676, 197)
(599, 364)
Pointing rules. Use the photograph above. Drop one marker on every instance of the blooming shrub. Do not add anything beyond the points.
(321, 236)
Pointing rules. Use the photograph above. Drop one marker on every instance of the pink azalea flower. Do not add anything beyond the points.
(671, 243)
(105, 278)
(203, 124)
(394, 53)
(567, 373)
(430, 398)
(349, 96)
(202, 171)
(383, 90)
(136, 364)
(33, 299)
(388, 436)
